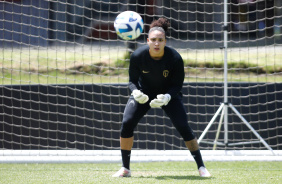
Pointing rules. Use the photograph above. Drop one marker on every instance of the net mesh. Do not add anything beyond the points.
(64, 72)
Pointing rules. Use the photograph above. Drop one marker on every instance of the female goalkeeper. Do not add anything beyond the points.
(156, 75)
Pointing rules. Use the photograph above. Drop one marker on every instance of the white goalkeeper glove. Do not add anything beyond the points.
(160, 101)
(139, 96)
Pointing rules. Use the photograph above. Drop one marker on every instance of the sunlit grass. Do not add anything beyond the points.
(149, 172)
(92, 64)
(56, 77)
(260, 56)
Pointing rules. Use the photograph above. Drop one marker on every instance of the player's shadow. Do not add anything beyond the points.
(182, 178)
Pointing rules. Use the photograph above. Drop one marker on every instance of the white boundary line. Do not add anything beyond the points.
(113, 156)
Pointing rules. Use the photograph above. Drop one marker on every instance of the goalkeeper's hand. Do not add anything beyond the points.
(139, 96)
(160, 100)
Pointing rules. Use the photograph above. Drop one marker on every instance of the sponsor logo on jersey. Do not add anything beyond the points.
(145, 71)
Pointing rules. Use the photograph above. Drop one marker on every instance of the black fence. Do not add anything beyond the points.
(89, 116)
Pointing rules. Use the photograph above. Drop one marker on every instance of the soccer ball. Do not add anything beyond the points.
(129, 25)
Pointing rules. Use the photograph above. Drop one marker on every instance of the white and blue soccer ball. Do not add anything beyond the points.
(129, 25)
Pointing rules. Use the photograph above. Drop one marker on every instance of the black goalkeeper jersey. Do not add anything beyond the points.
(155, 77)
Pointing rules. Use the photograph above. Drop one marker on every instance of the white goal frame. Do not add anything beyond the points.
(114, 156)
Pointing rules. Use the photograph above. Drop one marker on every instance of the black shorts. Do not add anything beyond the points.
(174, 109)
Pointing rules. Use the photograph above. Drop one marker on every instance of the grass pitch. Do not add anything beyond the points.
(95, 64)
(142, 173)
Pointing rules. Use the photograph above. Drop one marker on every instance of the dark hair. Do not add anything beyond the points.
(161, 22)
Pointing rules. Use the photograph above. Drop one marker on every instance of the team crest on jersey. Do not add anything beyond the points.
(165, 73)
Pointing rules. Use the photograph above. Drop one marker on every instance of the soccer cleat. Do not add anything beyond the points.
(204, 172)
(123, 172)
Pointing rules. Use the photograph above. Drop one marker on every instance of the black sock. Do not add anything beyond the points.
(198, 158)
(125, 155)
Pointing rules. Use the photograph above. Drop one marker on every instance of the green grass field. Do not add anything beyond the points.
(143, 173)
(60, 65)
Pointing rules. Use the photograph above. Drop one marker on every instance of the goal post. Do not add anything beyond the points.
(64, 75)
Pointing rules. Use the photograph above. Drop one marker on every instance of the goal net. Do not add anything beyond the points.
(64, 75)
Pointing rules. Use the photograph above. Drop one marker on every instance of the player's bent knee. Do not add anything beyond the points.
(126, 134)
(188, 137)
(187, 134)
(126, 130)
